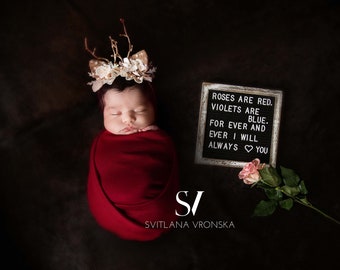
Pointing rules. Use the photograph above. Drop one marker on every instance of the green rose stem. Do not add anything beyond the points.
(309, 205)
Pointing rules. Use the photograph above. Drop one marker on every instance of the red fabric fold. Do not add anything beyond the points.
(133, 179)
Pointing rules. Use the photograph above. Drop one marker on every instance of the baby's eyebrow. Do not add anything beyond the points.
(112, 107)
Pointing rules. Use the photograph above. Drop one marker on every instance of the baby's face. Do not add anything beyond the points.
(127, 112)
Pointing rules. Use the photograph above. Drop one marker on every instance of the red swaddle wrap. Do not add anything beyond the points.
(133, 179)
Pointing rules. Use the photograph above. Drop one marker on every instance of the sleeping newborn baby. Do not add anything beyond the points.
(133, 175)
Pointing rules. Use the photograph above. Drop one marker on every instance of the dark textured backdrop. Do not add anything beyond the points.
(49, 117)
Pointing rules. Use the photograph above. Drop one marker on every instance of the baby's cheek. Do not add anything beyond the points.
(149, 119)
(110, 125)
(143, 122)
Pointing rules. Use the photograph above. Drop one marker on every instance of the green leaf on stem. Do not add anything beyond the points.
(286, 204)
(303, 188)
(304, 201)
(290, 178)
(290, 191)
(273, 194)
(265, 208)
(270, 176)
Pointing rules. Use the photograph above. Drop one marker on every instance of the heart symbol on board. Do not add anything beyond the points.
(248, 147)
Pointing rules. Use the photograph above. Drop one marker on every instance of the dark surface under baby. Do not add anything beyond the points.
(49, 117)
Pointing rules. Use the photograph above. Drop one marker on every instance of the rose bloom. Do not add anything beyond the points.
(250, 172)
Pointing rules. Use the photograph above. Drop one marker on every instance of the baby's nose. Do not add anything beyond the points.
(128, 118)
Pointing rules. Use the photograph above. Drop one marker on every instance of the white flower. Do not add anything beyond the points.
(103, 71)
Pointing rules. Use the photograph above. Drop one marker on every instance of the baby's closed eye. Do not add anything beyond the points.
(140, 110)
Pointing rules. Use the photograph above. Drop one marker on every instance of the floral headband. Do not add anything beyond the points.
(134, 68)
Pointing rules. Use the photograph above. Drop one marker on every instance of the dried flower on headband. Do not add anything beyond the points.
(135, 67)
(283, 187)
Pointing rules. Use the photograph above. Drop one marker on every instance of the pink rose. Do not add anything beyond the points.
(250, 173)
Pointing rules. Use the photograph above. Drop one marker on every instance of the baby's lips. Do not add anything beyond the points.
(129, 130)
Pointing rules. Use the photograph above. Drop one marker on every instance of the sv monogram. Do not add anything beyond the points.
(187, 205)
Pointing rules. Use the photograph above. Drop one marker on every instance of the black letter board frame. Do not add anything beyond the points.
(275, 95)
